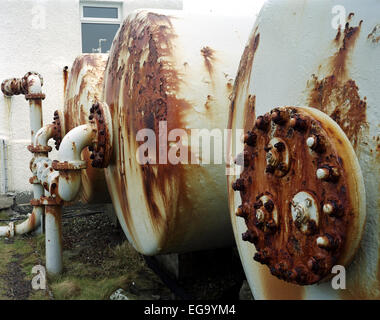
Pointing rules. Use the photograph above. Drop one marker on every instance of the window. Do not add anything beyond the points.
(99, 22)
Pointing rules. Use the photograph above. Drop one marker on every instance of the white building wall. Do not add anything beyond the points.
(42, 36)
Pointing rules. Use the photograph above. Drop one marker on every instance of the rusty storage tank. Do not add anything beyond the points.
(305, 209)
(84, 86)
(179, 68)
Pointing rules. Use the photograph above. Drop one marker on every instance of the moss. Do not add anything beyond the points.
(67, 289)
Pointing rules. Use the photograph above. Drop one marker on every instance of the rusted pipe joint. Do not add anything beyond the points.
(102, 147)
(35, 96)
(29, 85)
(59, 128)
(39, 149)
(11, 87)
(50, 201)
(69, 165)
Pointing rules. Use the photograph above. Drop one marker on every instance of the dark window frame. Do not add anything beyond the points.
(100, 4)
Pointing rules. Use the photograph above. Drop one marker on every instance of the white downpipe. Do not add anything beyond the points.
(70, 150)
(4, 166)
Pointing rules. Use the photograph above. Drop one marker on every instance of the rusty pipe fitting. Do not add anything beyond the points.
(70, 162)
(29, 84)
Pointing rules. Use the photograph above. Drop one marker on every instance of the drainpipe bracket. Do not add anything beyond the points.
(69, 165)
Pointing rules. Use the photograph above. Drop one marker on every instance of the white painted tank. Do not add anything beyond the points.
(84, 87)
(296, 57)
(176, 67)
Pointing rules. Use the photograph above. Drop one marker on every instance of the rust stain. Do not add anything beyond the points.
(32, 220)
(374, 36)
(65, 78)
(289, 253)
(148, 87)
(209, 57)
(249, 112)
(337, 95)
(88, 69)
(276, 289)
(244, 72)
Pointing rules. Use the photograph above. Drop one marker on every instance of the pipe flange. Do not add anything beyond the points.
(35, 202)
(102, 147)
(318, 201)
(35, 96)
(51, 201)
(59, 128)
(69, 165)
(39, 149)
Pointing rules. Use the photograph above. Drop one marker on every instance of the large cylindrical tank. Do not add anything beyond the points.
(83, 88)
(298, 55)
(179, 68)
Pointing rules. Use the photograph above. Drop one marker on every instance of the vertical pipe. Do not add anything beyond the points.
(35, 126)
(35, 116)
(38, 192)
(4, 166)
(53, 239)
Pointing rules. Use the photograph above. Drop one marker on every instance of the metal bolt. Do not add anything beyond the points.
(297, 123)
(328, 208)
(301, 214)
(324, 242)
(269, 205)
(311, 142)
(239, 212)
(260, 215)
(323, 173)
(278, 116)
(262, 122)
(250, 139)
(327, 173)
(238, 185)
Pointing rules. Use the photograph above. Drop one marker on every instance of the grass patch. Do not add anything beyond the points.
(96, 263)
(123, 268)
(20, 251)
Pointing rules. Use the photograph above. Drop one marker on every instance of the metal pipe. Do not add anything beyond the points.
(70, 152)
(31, 86)
(30, 224)
(4, 166)
(43, 135)
(53, 239)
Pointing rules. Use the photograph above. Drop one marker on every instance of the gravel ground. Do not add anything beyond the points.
(94, 234)
(88, 240)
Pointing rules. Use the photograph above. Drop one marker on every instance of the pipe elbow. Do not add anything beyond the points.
(69, 155)
(75, 141)
(69, 184)
(44, 135)
(33, 82)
